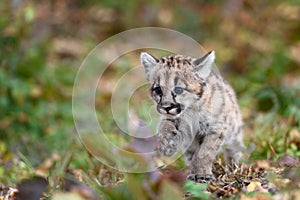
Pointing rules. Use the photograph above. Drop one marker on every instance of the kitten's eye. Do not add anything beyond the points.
(178, 90)
(158, 90)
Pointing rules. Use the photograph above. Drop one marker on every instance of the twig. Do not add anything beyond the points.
(272, 150)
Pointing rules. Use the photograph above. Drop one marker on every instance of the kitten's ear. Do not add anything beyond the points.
(203, 65)
(148, 62)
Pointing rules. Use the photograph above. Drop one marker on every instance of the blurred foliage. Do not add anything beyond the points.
(34, 96)
(196, 190)
(42, 44)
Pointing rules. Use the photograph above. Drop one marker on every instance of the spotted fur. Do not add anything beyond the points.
(198, 108)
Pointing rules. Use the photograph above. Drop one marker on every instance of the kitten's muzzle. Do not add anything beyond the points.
(169, 108)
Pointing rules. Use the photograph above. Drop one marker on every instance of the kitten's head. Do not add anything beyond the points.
(176, 81)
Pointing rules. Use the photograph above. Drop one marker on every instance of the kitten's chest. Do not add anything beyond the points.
(202, 123)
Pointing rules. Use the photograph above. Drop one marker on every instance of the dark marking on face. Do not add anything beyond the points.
(177, 60)
(152, 86)
(185, 83)
(156, 91)
(186, 62)
(172, 59)
(169, 63)
(189, 62)
(173, 96)
(176, 80)
(200, 93)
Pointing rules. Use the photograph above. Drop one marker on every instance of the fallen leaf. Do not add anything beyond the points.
(263, 164)
(293, 175)
(254, 186)
(67, 196)
(255, 197)
(288, 161)
(43, 169)
(84, 191)
(32, 189)
(7, 193)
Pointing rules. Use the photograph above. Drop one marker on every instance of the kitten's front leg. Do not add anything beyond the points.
(201, 165)
(169, 137)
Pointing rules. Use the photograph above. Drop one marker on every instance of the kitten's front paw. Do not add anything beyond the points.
(167, 151)
(201, 178)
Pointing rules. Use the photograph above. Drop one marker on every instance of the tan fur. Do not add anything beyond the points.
(199, 111)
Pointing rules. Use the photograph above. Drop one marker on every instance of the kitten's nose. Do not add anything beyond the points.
(167, 106)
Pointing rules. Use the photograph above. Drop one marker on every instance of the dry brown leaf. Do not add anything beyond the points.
(254, 186)
(7, 193)
(288, 12)
(67, 196)
(32, 188)
(288, 161)
(256, 197)
(43, 169)
(294, 134)
(295, 50)
(68, 47)
(263, 164)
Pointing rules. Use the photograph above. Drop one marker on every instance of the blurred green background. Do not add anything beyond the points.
(42, 44)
